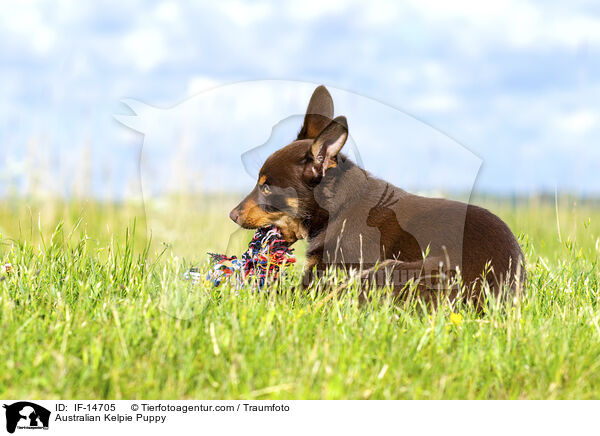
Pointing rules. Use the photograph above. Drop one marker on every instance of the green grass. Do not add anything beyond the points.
(97, 310)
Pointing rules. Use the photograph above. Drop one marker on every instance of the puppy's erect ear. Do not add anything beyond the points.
(318, 114)
(328, 144)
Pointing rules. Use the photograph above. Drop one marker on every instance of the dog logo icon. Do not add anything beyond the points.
(26, 415)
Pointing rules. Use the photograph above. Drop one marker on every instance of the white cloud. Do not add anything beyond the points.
(146, 47)
(473, 24)
(26, 23)
(310, 10)
(245, 14)
(168, 11)
(579, 122)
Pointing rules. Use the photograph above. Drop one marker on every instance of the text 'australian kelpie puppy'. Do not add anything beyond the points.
(353, 220)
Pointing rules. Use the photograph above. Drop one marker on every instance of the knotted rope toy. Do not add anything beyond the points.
(267, 254)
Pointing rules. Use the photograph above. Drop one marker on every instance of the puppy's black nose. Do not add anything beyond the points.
(234, 215)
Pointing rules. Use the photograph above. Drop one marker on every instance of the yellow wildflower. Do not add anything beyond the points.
(456, 318)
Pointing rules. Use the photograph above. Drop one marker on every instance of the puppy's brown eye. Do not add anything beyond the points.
(265, 189)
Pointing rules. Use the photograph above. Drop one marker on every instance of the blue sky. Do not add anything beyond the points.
(517, 83)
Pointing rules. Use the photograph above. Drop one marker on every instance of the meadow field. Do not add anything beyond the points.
(96, 308)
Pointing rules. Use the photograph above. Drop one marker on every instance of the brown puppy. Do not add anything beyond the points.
(352, 219)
